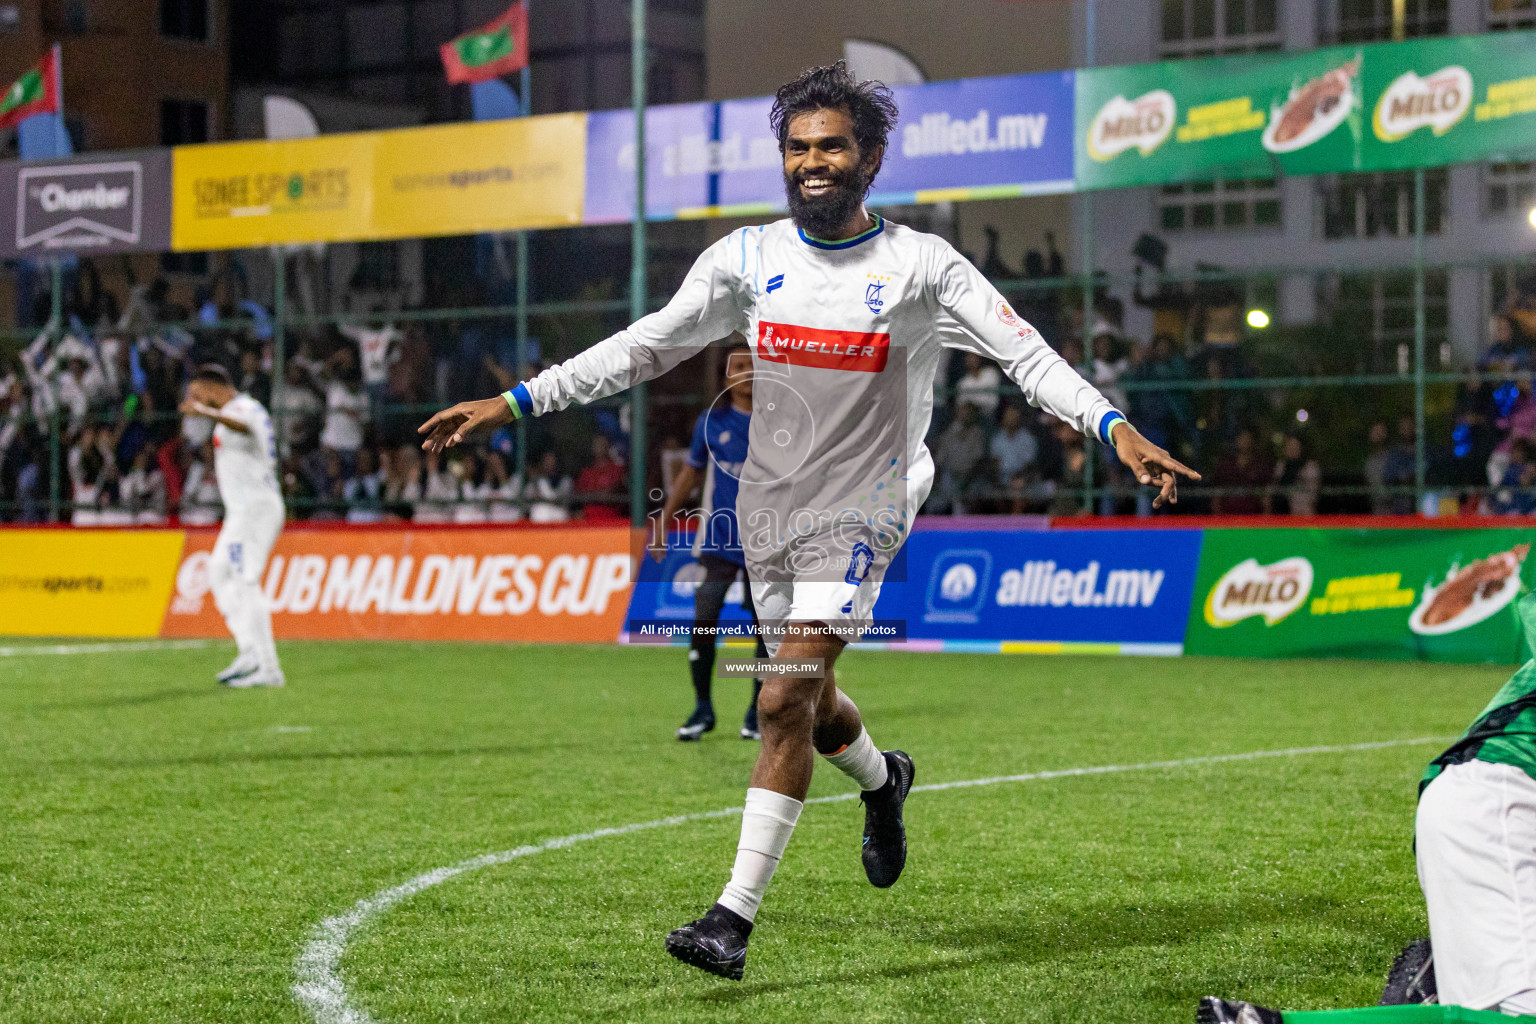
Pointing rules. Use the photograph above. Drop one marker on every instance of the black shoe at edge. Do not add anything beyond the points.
(700, 722)
(885, 835)
(1222, 1011)
(1234, 1011)
(1411, 981)
(716, 942)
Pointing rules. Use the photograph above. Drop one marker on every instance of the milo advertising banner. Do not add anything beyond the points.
(1343, 108)
(1433, 595)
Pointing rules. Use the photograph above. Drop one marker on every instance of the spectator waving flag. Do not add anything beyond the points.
(35, 92)
(490, 51)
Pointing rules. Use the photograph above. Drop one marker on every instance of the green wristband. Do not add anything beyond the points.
(511, 401)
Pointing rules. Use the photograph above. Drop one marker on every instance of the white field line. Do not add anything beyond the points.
(105, 648)
(318, 985)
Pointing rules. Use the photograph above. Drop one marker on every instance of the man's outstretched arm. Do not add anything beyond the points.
(984, 323)
(706, 308)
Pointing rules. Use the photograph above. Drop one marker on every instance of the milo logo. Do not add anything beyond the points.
(1436, 102)
(1143, 123)
(1248, 589)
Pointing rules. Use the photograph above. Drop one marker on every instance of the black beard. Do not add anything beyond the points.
(825, 215)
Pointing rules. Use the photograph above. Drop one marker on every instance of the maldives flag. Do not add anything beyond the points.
(491, 50)
(36, 92)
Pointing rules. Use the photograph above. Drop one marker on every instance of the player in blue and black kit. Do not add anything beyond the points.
(719, 448)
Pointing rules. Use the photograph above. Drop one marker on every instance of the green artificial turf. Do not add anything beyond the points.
(167, 847)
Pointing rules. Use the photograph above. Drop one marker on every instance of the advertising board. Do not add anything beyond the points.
(968, 139)
(93, 205)
(235, 194)
(1047, 590)
(459, 179)
(438, 180)
(113, 583)
(1421, 103)
(1429, 594)
(562, 584)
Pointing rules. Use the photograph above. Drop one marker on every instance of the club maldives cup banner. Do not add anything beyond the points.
(552, 584)
(1433, 595)
(1344, 108)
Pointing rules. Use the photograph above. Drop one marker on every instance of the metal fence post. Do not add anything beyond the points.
(637, 287)
(55, 468)
(55, 442)
(1090, 451)
(279, 346)
(520, 339)
(1418, 338)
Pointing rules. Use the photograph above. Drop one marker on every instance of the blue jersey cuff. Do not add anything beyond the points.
(1108, 423)
(519, 401)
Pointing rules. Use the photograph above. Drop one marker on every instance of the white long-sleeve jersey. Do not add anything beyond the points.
(846, 338)
(246, 464)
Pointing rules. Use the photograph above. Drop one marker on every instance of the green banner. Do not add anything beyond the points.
(1345, 108)
(1432, 595)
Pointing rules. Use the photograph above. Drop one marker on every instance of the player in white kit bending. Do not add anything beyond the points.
(245, 462)
(847, 314)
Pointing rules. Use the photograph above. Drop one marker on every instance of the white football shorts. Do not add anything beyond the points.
(246, 539)
(1476, 846)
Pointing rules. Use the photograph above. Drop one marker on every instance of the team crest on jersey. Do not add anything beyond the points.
(860, 560)
(873, 292)
(1007, 315)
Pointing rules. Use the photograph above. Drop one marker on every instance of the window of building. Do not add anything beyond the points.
(1509, 189)
(1376, 310)
(1205, 28)
(1378, 204)
(1225, 204)
(183, 122)
(1509, 15)
(310, 44)
(1365, 21)
(1511, 285)
(184, 19)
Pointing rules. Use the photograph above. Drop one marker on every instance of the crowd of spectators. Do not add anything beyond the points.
(1493, 438)
(993, 453)
(96, 400)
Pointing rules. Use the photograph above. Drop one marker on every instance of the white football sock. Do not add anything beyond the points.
(258, 617)
(862, 762)
(227, 597)
(766, 825)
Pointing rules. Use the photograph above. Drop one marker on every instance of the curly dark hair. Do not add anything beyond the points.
(870, 104)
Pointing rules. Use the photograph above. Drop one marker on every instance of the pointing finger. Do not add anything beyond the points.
(1175, 465)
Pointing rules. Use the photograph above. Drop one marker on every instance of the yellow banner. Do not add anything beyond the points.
(237, 194)
(460, 179)
(454, 179)
(85, 583)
